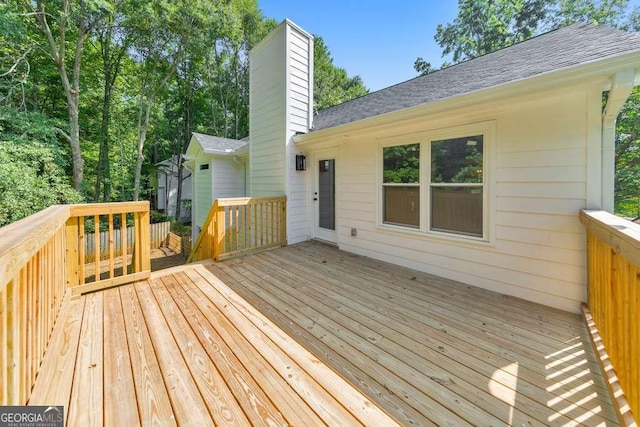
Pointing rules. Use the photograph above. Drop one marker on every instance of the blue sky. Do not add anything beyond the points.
(378, 40)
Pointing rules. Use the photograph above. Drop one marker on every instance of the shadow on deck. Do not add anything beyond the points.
(196, 345)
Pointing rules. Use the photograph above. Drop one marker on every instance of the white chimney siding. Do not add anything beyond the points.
(281, 105)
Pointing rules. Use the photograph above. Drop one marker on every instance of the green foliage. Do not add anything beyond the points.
(158, 217)
(180, 229)
(457, 160)
(332, 85)
(627, 181)
(483, 26)
(401, 164)
(32, 166)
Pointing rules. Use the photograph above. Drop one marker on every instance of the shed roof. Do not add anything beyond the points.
(218, 145)
(568, 47)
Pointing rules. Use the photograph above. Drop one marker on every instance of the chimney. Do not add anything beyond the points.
(280, 105)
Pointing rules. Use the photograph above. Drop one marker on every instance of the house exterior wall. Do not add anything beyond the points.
(537, 183)
(281, 91)
(267, 115)
(203, 193)
(228, 177)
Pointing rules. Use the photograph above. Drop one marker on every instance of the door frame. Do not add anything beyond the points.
(317, 232)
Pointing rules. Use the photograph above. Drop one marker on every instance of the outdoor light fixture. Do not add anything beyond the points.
(301, 162)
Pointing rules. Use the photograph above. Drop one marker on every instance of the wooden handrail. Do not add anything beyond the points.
(241, 225)
(41, 265)
(613, 314)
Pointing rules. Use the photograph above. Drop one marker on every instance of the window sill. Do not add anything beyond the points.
(440, 237)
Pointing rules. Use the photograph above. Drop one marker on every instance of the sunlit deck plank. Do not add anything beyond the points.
(152, 398)
(395, 350)
(328, 407)
(432, 411)
(450, 360)
(260, 410)
(294, 411)
(222, 405)
(118, 375)
(350, 398)
(373, 288)
(87, 394)
(516, 358)
(55, 378)
(186, 401)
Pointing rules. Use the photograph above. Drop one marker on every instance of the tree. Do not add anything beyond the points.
(112, 51)
(76, 19)
(483, 26)
(32, 165)
(332, 85)
(14, 64)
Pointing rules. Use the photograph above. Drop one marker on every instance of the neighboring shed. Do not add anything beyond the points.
(220, 169)
(167, 189)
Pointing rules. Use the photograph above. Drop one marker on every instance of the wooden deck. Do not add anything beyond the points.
(428, 350)
(183, 349)
(245, 345)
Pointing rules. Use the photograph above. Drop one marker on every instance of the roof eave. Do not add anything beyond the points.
(601, 69)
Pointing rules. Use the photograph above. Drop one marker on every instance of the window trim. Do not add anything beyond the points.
(488, 130)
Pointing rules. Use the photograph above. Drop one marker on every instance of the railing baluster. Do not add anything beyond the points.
(96, 246)
(111, 246)
(81, 247)
(124, 246)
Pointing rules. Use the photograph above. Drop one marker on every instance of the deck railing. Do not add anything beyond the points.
(613, 264)
(41, 265)
(241, 225)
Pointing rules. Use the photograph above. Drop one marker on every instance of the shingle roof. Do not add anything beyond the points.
(568, 47)
(216, 144)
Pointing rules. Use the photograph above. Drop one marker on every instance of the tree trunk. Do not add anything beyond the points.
(74, 139)
(103, 171)
(142, 137)
(183, 147)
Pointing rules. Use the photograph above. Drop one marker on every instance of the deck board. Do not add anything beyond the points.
(310, 335)
(182, 348)
(515, 361)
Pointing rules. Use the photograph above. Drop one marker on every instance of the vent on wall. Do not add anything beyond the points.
(204, 166)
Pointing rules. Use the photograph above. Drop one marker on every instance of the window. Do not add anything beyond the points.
(456, 185)
(437, 184)
(401, 185)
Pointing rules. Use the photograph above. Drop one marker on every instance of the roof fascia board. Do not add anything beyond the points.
(573, 75)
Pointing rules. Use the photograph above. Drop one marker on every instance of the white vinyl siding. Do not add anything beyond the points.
(299, 80)
(228, 178)
(537, 186)
(203, 188)
(267, 116)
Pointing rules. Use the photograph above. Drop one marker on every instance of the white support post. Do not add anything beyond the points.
(621, 86)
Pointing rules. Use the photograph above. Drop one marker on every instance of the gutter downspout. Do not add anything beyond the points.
(621, 87)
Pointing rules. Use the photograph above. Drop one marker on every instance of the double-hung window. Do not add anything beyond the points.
(401, 185)
(437, 183)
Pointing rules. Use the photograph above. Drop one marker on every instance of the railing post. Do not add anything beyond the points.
(72, 261)
(145, 241)
(219, 231)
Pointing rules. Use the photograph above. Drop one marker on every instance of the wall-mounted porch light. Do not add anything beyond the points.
(301, 162)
